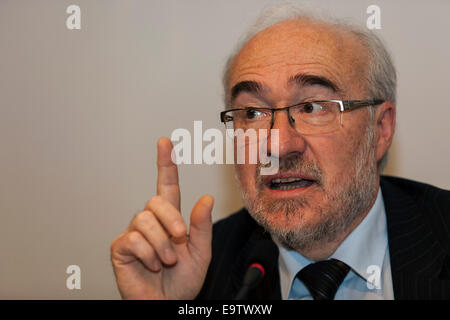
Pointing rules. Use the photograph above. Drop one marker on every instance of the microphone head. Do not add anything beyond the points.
(258, 266)
(264, 254)
(261, 260)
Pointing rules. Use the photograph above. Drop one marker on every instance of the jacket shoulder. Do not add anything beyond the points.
(424, 194)
(433, 202)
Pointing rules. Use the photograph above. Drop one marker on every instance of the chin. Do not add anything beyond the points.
(290, 218)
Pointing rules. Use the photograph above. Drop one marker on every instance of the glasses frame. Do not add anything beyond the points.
(344, 105)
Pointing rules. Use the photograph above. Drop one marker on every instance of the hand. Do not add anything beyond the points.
(154, 258)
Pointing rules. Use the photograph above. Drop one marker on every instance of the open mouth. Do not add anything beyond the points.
(289, 183)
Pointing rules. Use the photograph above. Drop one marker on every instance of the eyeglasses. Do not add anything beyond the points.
(313, 117)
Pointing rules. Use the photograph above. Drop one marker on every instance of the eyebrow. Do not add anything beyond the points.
(245, 86)
(301, 79)
(310, 80)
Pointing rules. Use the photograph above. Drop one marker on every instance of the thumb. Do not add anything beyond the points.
(200, 229)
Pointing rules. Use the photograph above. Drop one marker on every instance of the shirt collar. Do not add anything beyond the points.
(364, 247)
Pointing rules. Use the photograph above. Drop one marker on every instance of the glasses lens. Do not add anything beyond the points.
(251, 118)
(316, 117)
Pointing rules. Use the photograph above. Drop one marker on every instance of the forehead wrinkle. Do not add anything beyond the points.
(332, 51)
(320, 64)
(251, 70)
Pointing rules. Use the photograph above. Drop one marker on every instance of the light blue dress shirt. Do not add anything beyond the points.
(365, 250)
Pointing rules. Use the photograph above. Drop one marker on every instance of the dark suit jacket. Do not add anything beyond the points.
(418, 221)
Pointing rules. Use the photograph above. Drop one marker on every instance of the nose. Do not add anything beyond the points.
(288, 140)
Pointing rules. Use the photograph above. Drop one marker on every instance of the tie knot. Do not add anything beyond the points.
(323, 278)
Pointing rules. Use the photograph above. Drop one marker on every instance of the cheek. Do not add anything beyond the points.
(246, 175)
(335, 156)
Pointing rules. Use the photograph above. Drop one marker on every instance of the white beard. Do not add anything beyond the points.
(346, 201)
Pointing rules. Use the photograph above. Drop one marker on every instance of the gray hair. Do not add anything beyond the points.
(381, 78)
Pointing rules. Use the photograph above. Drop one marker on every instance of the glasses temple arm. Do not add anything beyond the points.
(351, 105)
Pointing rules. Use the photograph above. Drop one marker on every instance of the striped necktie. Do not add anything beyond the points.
(323, 278)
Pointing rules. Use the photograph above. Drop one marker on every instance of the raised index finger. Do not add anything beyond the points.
(167, 185)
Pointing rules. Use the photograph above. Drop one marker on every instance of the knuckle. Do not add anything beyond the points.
(142, 218)
(133, 239)
(155, 201)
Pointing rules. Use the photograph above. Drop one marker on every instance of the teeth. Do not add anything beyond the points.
(289, 184)
(287, 187)
(286, 180)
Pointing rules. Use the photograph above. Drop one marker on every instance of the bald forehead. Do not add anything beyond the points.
(291, 34)
(332, 50)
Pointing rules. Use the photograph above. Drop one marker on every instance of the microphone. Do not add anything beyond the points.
(261, 258)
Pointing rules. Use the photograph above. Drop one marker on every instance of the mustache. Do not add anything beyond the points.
(294, 162)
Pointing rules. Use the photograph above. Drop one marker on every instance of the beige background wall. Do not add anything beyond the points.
(80, 113)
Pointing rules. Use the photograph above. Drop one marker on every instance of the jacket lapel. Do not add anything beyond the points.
(269, 288)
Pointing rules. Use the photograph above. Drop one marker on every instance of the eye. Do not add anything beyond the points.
(228, 117)
(254, 114)
(313, 107)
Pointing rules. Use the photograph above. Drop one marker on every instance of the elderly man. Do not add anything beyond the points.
(326, 225)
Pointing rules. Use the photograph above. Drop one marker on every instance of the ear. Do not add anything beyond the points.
(385, 127)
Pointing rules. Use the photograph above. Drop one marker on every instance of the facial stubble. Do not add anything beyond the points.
(344, 200)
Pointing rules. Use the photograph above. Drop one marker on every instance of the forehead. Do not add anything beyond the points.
(300, 46)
